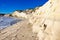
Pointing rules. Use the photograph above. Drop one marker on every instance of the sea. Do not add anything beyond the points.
(7, 21)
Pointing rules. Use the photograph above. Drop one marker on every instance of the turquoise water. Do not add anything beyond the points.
(7, 21)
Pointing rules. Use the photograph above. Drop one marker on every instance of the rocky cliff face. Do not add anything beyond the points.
(46, 21)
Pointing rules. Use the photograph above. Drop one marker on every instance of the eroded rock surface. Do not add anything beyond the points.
(19, 31)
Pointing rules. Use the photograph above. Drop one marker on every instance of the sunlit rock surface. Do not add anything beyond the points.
(19, 14)
(19, 31)
(46, 21)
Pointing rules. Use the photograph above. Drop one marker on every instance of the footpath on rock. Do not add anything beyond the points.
(19, 31)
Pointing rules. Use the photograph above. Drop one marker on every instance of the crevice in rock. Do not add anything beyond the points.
(45, 26)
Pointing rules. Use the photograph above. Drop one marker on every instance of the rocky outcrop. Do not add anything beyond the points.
(47, 15)
(2, 14)
(19, 14)
(22, 14)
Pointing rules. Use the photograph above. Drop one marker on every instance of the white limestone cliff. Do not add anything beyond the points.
(49, 15)
(45, 20)
(19, 14)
